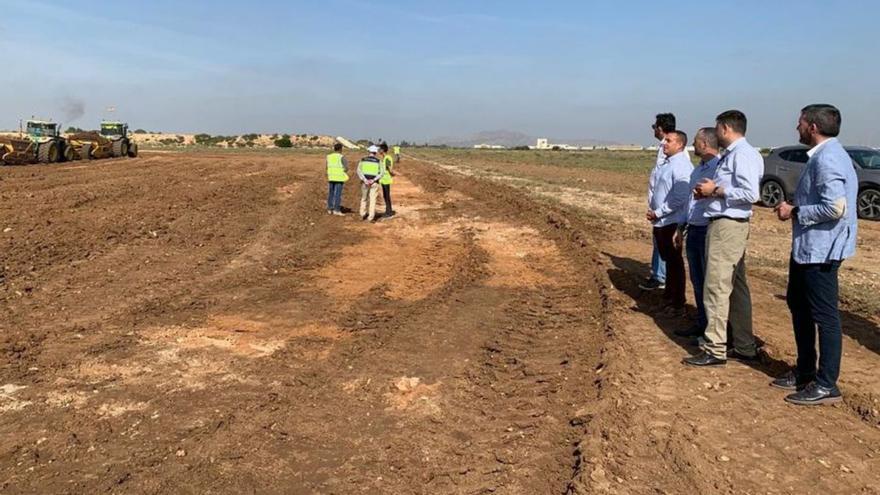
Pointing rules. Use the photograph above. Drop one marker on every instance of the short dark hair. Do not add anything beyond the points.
(826, 118)
(337, 147)
(665, 121)
(709, 135)
(384, 147)
(680, 135)
(734, 119)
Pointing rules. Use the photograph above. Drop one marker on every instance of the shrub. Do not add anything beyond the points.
(140, 131)
(284, 142)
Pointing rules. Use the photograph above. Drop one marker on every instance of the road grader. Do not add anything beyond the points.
(41, 142)
(112, 141)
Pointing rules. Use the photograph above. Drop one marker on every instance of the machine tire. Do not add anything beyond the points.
(47, 152)
(69, 153)
(86, 152)
(120, 148)
(133, 150)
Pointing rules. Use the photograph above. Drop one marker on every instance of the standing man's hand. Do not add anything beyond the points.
(783, 211)
(705, 189)
(677, 239)
(651, 216)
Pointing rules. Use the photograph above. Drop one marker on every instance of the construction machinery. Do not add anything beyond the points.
(17, 150)
(112, 141)
(40, 142)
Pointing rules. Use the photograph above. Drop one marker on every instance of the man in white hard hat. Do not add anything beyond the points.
(370, 170)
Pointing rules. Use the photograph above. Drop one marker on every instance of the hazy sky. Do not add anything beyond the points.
(417, 70)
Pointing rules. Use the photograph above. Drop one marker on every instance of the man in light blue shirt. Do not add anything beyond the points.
(667, 211)
(706, 147)
(729, 194)
(664, 123)
(824, 229)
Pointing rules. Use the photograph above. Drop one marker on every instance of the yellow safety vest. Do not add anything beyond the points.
(386, 179)
(335, 169)
(369, 167)
(397, 150)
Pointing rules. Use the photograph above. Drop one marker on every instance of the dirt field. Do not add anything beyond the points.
(197, 323)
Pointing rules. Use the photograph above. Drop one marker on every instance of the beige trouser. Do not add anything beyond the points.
(726, 290)
(369, 195)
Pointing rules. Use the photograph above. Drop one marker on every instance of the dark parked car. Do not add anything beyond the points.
(783, 167)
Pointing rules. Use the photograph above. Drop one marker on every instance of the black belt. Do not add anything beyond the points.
(740, 220)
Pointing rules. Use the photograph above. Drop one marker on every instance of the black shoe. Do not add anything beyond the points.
(652, 284)
(693, 331)
(704, 359)
(790, 381)
(743, 358)
(814, 395)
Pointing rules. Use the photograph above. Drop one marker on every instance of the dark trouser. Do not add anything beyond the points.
(696, 256)
(386, 197)
(812, 298)
(334, 196)
(675, 276)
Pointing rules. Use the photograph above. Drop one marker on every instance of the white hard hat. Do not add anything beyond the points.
(373, 149)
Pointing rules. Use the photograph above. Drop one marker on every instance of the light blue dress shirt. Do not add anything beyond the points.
(697, 207)
(739, 172)
(671, 189)
(826, 225)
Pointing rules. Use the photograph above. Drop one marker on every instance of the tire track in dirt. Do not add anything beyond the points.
(278, 367)
(659, 427)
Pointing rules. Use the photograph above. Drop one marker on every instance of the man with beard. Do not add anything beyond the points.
(731, 193)
(824, 228)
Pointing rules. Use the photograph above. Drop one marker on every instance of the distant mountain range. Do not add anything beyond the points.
(510, 139)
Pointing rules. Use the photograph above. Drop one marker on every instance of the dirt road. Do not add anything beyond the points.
(197, 323)
(662, 428)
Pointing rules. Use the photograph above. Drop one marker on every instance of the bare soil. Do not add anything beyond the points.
(662, 428)
(198, 323)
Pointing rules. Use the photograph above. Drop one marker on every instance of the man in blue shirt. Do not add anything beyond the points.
(730, 195)
(706, 147)
(667, 211)
(664, 123)
(824, 228)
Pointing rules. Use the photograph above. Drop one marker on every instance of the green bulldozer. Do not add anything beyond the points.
(41, 142)
(112, 141)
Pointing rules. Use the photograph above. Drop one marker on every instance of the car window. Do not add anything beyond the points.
(799, 156)
(868, 159)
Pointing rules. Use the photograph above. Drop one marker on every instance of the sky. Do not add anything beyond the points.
(408, 70)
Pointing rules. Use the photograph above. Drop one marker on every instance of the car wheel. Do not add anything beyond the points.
(869, 204)
(772, 193)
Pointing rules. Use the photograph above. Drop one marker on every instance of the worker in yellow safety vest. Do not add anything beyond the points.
(387, 179)
(370, 171)
(337, 176)
(397, 153)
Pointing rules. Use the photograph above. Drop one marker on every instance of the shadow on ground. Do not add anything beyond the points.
(626, 274)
